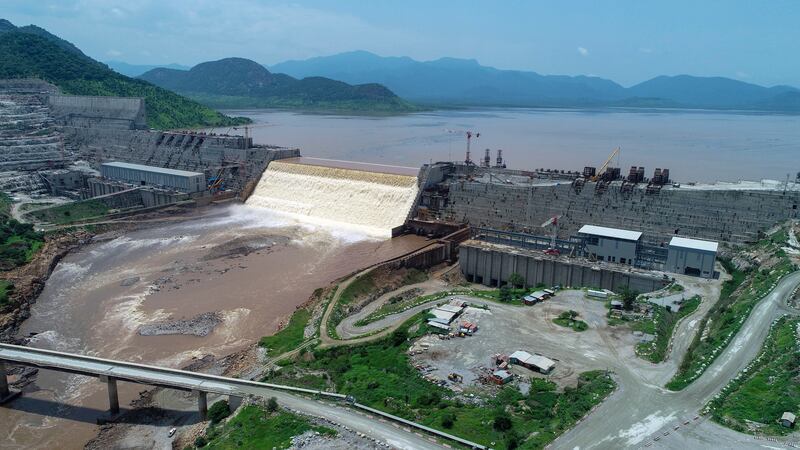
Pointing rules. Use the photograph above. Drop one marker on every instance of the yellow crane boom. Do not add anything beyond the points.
(605, 164)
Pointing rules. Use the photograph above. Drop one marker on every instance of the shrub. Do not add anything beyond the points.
(219, 411)
(502, 422)
(448, 420)
(272, 404)
(200, 441)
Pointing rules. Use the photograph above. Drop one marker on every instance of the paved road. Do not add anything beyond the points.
(381, 430)
(639, 411)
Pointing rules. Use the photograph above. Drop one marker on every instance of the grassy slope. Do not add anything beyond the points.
(662, 326)
(28, 55)
(18, 242)
(71, 212)
(379, 374)
(769, 388)
(288, 338)
(737, 299)
(255, 428)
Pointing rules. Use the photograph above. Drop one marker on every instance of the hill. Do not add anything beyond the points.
(453, 81)
(242, 83)
(33, 52)
(134, 70)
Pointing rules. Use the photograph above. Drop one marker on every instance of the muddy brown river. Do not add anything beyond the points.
(251, 266)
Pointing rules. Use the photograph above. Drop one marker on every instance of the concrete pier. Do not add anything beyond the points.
(4, 392)
(202, 404)
(113, 396)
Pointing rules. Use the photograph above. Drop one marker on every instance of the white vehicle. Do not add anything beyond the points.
(172, 431)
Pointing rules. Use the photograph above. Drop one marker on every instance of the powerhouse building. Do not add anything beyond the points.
(159, 177)
(611, 244)
(691, 257)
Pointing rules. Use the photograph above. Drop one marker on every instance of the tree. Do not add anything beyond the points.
(272, 404)
(628, 298)
(219, 411)
(200, 441)
(505, 293)
(502, 422)
(448, 419)
(399, 337)
(516, 280)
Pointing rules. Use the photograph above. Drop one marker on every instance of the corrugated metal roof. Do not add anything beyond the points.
(533, 360)
(450, 308)
(616, 233)
(124, 165)
(696, 244)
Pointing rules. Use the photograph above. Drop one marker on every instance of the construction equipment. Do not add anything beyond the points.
(604, 167)
(487, 159)
(553, 221)
(456, 378)
(468, 159)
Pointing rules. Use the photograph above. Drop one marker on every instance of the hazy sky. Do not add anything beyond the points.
(627, 41)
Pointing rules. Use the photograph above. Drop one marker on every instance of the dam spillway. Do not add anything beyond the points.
(369, 198)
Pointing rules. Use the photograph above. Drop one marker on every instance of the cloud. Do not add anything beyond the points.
(583, 51)
(744, 75)
(646, 50)
(114, 53)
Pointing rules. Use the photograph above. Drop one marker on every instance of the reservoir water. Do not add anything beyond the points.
(695, 145)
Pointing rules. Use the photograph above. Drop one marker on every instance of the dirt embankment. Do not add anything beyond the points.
(29, 279)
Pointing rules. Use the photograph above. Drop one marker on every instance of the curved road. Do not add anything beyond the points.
(638, 412)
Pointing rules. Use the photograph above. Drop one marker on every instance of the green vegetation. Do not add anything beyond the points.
(290, 337)
(767, 388)
(569, 319)
(662, 325)
(71, 212)
(255, 427)
(360, 288)
(739, 296)
(379, 374)
(18, 242)
(242, 83)
(6, 287)
(24, 54)
(219, 411)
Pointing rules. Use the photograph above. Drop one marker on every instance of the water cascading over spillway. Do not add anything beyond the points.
(371, 202)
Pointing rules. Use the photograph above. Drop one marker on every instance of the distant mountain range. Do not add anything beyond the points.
(134, 70)
(31, 51)
(450, 81)
(242, 83)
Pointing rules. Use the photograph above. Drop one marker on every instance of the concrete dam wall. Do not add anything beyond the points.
(736, 214)
(370, 201)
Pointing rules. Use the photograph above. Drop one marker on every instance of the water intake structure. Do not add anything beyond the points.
(368, 198)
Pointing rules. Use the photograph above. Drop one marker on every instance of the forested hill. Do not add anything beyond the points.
(240, 82)
(33, 52)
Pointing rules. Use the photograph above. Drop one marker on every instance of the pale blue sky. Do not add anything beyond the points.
(625, 40)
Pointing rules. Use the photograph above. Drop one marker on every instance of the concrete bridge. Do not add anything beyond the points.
(110, 371)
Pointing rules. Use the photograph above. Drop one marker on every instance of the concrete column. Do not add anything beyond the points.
(113, 396)
(202, 404)
(4, 392)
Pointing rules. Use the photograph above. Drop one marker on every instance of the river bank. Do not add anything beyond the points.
(245, 266)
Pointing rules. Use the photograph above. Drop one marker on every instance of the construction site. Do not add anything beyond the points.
(535, 279)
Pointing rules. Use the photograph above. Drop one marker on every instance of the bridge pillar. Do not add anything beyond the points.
(113, 396)
(4, 392)
(202, 404)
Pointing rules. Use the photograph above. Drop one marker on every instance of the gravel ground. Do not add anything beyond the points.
(199, 325)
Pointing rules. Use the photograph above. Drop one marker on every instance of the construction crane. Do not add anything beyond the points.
(246, 131)
(553, 221)
(468, 160)
(604, 167)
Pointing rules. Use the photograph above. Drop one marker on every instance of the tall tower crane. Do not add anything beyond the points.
(468, 159)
